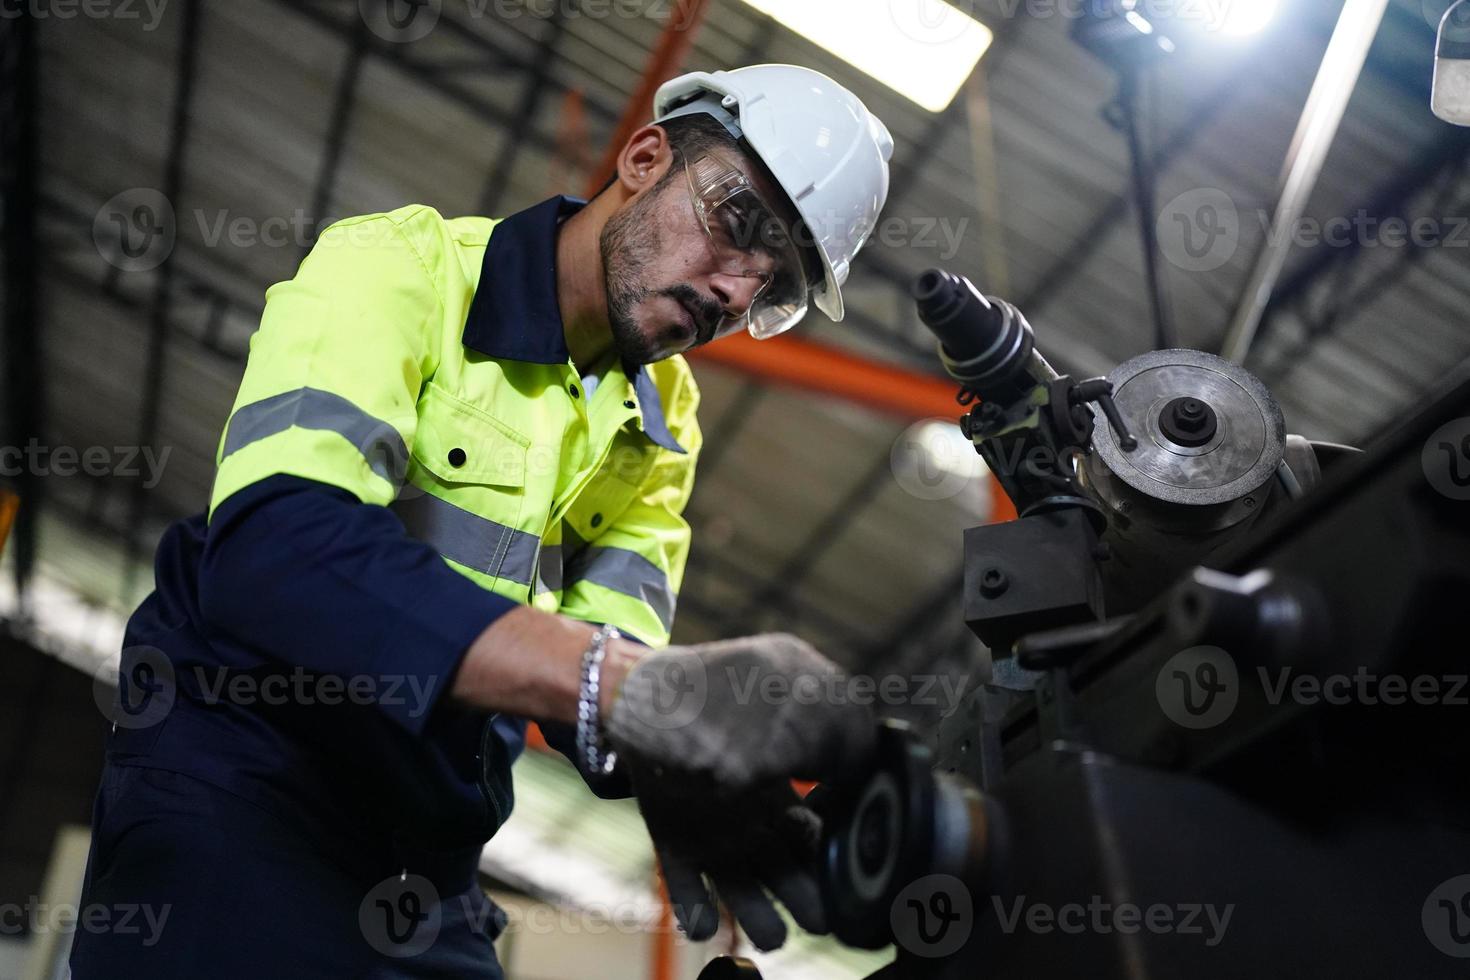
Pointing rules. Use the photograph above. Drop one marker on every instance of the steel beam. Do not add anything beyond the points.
(1039, 297)
(397, 55)
(1337, 76)
(781, 587)
(533, 95)
(24, 402)
(173, 182)
(673, 44)
(722, 435)
(826, 370)
(343, 105)
(1389, 200)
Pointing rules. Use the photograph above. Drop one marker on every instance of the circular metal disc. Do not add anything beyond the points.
(881, 792)
(1246, 448)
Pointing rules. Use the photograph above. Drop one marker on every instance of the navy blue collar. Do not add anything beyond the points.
(514, 315)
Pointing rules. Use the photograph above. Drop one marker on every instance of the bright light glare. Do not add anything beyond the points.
(922, 49)
(1241, 17)
(933, 460)
(1137, 20)
(948, 449)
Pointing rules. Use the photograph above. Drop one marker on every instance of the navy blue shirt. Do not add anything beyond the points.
(312, 643)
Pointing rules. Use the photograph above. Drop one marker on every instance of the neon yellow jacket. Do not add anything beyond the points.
(419, 363)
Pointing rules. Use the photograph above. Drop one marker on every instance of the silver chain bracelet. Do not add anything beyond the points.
(590, 749)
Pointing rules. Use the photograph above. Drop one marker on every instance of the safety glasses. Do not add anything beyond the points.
(748, 239)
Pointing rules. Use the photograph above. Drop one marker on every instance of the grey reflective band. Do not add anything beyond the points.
(626, 572)
(311, 408)
(548, 569)
(520, 554)
(503, 552)
(471, 540)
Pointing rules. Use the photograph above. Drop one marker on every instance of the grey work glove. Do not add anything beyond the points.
(742, 712)
(711, 734)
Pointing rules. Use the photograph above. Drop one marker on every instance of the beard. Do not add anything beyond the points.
(630, 242)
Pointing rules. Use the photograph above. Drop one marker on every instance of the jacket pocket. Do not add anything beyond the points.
(461, 444)
(466, 486)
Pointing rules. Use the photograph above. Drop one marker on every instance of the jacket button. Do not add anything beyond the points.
(572, 390)
(456, 456)
(596, 519)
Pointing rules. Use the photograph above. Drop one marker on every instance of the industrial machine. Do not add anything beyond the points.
(1224, 735)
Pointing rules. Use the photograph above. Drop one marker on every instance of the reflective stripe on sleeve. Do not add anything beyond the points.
(311, 408)
(503, 552)
(471, 540)
(480, 543)
(628, 573)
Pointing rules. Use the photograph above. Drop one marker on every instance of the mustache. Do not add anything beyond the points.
(707, 313)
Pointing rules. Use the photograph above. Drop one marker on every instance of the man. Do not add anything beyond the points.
(455, 470)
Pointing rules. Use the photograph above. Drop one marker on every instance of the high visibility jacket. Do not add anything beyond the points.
(419, 363)
(413, 374)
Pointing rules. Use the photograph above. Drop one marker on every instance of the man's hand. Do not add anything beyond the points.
(711, 735)
(743, 844)
(741, 712)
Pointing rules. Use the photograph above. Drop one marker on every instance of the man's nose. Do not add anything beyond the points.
(735, 293)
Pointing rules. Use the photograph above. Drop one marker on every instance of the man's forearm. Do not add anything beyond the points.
(529, 663)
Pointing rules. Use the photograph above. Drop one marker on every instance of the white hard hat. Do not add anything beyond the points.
(826, 150)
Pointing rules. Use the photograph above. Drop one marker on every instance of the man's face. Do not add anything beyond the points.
(667, 289)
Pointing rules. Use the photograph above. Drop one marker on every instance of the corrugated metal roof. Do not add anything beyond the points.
(429, 121)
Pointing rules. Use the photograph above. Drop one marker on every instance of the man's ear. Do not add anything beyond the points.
(645, 158)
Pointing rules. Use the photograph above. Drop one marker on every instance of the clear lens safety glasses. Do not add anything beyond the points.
(748, 239)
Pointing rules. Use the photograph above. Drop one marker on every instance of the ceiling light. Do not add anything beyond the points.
(1247, 16)
(922, 49)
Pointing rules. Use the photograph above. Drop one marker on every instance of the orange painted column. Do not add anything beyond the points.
(668, 55)
(808, 366)
(815, 367)
(9, 506)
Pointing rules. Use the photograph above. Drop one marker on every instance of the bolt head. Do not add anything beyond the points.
(993, 582)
